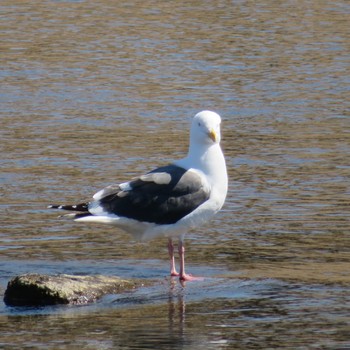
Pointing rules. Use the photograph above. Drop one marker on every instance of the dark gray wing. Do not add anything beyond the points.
(163, 196)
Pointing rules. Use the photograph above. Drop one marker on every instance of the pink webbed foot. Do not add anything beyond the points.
(187, 277)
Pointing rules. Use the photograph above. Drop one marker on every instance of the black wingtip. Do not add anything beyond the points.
(83, 207)
(53, 206)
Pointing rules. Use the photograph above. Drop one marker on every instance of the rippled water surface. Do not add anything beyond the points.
(93, 93)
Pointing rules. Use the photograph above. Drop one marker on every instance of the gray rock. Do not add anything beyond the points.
(38, 289)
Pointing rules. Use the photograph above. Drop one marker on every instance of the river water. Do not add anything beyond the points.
(95, 92)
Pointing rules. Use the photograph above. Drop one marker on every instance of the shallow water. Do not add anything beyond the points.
(95, 93)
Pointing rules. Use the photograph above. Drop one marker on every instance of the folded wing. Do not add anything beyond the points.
(162, 196)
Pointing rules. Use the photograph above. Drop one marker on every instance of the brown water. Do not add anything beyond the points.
(93, 93)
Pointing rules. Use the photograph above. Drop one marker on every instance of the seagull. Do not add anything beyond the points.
(170, 200)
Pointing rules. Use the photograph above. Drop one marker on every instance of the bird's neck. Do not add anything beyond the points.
(208, 159)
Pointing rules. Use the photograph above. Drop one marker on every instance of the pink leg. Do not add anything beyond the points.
(183, 275)
(172, 258)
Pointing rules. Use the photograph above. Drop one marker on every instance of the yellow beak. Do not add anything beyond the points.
(212, 135)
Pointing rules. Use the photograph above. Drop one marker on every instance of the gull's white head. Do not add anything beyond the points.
(205, 128)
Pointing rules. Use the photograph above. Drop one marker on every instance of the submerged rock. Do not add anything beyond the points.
(38, 289)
